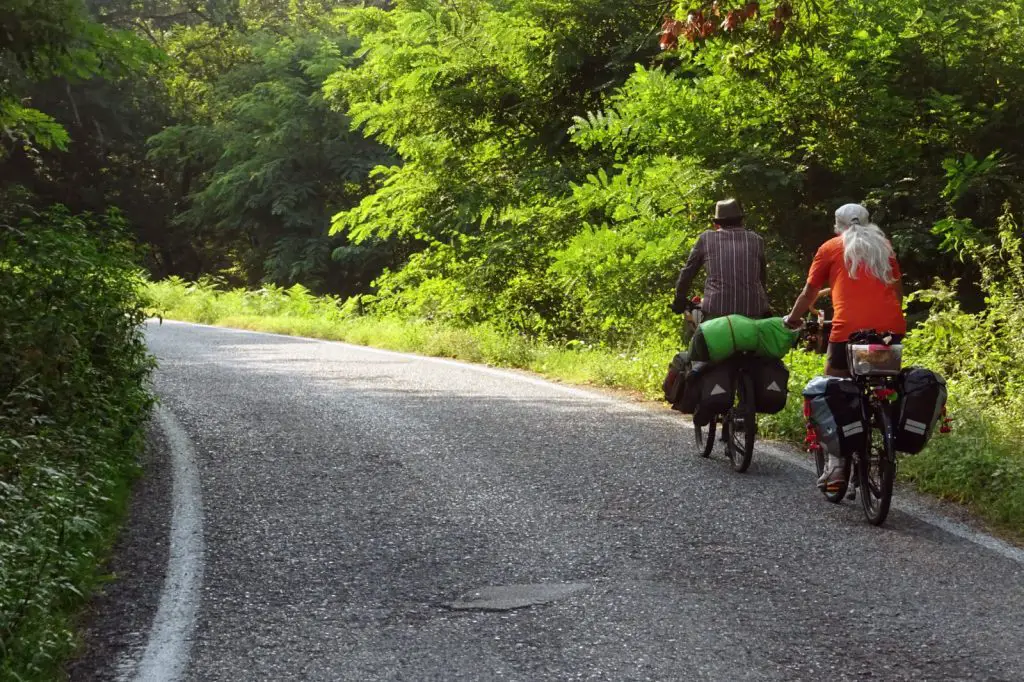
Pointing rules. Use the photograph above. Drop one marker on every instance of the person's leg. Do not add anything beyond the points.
(832, 371)
(836, 362)
(836, 471)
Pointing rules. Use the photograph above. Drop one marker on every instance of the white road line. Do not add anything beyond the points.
(166, 655)
(911, 508)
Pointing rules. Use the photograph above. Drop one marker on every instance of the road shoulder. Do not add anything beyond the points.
(116, 623)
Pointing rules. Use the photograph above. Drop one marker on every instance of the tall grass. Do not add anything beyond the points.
(295, 311)
(979, 464)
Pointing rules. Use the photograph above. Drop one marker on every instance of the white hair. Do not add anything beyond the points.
(864, 243)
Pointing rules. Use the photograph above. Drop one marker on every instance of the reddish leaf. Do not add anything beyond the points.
(732, 21)
(783, 11)
(751, 10)
(670, 30)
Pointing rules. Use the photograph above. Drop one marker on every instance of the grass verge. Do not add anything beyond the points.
(979, 465)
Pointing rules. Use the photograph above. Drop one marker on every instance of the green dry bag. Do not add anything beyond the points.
(726, 336)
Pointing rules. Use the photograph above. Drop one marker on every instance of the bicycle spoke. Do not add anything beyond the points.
(878, 470)
(873, 488)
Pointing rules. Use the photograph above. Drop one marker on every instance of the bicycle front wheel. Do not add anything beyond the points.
(877, 469)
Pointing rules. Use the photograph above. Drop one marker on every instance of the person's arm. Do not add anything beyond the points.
(897, 278)
(817, 278)
(803, 303)
(821, 294)
(686, 275)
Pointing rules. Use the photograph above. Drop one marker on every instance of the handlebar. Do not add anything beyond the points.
(694, 304)
(815, 332)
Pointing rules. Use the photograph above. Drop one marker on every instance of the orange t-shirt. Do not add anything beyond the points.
(862, 303)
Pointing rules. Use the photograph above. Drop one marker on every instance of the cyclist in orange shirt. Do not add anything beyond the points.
(860, 268)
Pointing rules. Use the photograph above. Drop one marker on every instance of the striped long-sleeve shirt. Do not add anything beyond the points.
(736, 271)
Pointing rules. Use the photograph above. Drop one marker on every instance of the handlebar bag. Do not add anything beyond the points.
(771, 384)
(922, 395)
(837, 414)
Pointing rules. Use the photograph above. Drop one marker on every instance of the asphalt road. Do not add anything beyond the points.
(355, 503)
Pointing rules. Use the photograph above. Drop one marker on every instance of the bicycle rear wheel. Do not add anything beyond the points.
(741, 426)
(704, 436)
(877, 469)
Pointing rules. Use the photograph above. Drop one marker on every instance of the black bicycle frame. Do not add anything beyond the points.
(874, 401)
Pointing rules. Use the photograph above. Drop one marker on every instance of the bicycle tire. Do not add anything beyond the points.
(741, 426)
(876, 487)
(704, 436)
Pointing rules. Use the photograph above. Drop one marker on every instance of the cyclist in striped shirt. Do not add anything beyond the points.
(734, 258)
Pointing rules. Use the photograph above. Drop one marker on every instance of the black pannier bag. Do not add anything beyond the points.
(922, 395)
(771, 384)
(836, 413)
(717, 390)
(673, 384)
(689, 396)
(682, 383)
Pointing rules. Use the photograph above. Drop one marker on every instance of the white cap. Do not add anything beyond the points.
(851, 214)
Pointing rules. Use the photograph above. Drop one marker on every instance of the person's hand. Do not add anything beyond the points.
(680, 306)
(792, 323)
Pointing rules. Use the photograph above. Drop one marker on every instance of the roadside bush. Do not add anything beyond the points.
(981, 463)
(73, 400)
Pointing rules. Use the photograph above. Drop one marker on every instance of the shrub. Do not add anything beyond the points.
(73, 399)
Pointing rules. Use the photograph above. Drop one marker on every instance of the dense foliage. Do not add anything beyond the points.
(73, 364)
(542, 165)
(267, 160)
(905, 106)
(73, 397)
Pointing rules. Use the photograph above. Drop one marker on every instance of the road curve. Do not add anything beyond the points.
(351, 496)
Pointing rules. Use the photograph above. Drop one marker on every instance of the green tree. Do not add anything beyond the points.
(267, 161)
(43, 39)
(475, 98)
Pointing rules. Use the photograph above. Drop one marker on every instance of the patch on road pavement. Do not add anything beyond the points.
(509, 597)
